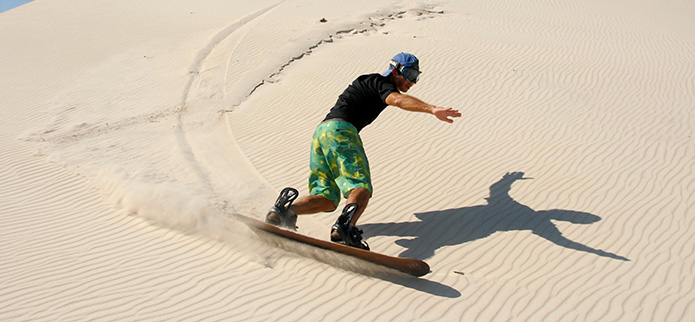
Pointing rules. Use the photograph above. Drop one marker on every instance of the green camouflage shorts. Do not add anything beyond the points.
(338, 162)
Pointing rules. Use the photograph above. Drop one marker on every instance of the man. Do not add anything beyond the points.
(338, 161)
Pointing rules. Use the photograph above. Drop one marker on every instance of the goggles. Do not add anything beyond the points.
(411, 74)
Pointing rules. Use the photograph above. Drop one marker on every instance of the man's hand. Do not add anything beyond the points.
(444, 114)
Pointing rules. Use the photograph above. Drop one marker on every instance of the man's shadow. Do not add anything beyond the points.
(502, 213)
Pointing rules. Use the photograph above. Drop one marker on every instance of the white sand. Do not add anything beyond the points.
(129, 128)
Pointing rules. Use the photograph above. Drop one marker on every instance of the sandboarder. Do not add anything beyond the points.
(338, 161)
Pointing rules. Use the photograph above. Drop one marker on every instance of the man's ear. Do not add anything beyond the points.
(395, 73)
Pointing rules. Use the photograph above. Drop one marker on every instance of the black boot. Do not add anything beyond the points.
(281, 214)
(344, 232)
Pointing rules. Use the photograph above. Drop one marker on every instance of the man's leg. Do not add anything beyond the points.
(347, 232)
(312, 204)
(360, 196)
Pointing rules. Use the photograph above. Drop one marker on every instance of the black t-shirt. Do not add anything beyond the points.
(363, 100)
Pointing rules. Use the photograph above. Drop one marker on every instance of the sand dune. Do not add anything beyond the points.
(130, 130)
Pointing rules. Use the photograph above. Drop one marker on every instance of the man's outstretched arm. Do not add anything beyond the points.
(410, 103)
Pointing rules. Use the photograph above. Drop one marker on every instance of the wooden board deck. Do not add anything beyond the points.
(410, 266)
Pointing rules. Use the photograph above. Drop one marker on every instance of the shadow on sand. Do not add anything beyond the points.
(502, 213)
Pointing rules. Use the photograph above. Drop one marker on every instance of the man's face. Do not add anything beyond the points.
(402, 84)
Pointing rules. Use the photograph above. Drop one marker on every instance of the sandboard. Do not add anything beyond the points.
(410, 266)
